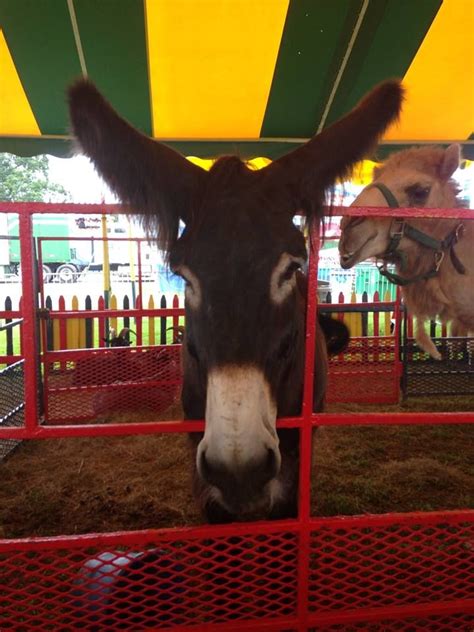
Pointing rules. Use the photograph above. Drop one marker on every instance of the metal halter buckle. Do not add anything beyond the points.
(439, 256)
(399, 230)
(459, 232)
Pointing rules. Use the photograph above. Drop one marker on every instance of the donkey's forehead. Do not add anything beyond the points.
(239, 235)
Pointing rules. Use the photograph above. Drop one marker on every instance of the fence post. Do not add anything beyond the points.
(387, 298)
(102, 334)
(139, 320)
(88, 325)
(175, 317)
(126, 305)
(365, 316)
(9, 331)
(163, 321)
(151, 322)
(72, 326)
(62, 324)
(113, 319)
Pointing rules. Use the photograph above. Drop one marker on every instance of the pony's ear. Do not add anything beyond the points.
(450, 161)
(152, 180)
(330, 155)
(376, 171)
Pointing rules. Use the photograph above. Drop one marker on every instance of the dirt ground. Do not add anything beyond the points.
(67, 486)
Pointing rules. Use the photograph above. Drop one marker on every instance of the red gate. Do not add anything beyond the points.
(391, 572)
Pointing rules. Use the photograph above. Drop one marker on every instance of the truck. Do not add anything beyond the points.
(62, 257)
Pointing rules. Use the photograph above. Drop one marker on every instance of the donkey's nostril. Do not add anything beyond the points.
(272, 465)
(203, 467)
(253, 474)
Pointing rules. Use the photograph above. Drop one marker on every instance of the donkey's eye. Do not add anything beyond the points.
(192, 350)
(290, 270)
(192, 286)
(417, 193)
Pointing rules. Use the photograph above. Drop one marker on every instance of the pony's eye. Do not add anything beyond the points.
(417, 193)
(354, 221)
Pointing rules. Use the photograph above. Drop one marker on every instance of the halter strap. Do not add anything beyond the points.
(385, 191)
(403, 229)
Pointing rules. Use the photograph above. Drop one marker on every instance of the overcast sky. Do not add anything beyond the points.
(78, 176)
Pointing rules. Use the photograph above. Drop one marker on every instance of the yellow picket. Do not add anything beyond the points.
(356, 319)
(81, 334)
(113, 319)
(151, 322)
(56, 340)
(72, 326)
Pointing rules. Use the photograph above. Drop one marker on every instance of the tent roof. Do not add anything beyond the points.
(253, 77)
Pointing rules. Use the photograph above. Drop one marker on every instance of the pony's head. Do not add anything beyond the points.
(419, 177)
(239, 254)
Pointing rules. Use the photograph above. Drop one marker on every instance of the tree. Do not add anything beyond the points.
(26, 180)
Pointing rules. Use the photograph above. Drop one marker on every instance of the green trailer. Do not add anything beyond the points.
(59, 256)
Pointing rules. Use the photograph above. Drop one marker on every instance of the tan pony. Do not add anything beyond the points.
(434, 258)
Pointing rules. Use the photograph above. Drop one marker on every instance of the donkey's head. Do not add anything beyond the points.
(238, 253)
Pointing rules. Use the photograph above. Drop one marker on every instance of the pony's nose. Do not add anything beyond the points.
(346, 256)
(254, 474)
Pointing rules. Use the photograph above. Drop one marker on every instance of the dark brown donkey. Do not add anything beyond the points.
(239, 254)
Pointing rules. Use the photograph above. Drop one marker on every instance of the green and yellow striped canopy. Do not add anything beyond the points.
(255, 77)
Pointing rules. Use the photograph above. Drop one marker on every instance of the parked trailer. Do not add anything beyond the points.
(62, 257)
(390, 572)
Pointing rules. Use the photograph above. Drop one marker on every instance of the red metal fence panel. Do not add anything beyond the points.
(392, 572)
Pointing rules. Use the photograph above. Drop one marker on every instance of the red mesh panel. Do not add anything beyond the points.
(178, 582)
(364, 567)
(367, 361)
(437, 623)
(371, 575)
(82, 385)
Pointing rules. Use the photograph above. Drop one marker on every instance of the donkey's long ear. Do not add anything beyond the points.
(151, 179)
(330, 155)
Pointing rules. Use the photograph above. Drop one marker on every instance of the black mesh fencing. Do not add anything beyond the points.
(12, 402)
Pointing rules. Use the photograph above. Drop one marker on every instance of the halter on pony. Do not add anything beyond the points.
(400, 228)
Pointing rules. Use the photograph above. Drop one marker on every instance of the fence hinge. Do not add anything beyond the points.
(43, 312)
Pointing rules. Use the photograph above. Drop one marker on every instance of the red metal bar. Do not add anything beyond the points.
(169, 534)
(383, 211)
(28, 308)
(22, 208)
(417, 610)
(304, 490)
(103, 313)
(28, 208)
(395, 419)
(152, 427)
(397, 334)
